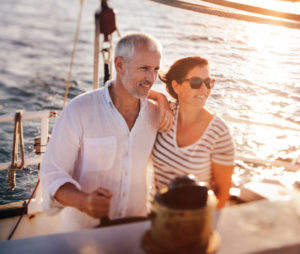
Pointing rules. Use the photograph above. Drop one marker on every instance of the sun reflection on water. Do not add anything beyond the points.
(269, 144)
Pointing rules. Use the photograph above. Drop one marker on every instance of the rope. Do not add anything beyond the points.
(73, 52)
(18, 133)
(96, 50)
(18, 136)
(25, 209)
(227, 14)
(256, 9)
(18, 122)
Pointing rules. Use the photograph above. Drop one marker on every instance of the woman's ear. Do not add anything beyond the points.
(175, 86)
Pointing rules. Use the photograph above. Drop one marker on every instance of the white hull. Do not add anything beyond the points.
(36, 224)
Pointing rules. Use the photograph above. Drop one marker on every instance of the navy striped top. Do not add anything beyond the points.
(169, 160)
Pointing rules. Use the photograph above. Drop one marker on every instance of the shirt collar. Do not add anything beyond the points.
(108, 100)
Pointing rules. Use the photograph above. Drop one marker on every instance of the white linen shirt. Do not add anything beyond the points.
(91, 146)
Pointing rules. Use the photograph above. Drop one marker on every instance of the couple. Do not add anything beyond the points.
(95, 163)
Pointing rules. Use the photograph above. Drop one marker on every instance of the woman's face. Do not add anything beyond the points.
(188, 96)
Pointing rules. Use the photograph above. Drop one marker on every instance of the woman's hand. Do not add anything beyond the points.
(165, 113)
(222, 177)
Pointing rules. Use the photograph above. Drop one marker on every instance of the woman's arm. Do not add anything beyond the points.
(222, 178)
(165, 113)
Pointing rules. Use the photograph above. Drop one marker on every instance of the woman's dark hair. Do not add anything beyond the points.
(178, 70)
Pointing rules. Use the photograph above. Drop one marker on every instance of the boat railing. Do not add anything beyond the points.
(44, 127)
(44, 117)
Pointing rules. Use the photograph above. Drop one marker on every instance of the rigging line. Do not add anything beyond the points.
(256, 9)
(227, 14)
(21, 139)
(96, 53)
(73, 52)
(25, 209)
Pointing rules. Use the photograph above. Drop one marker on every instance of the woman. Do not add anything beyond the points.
(199, 142)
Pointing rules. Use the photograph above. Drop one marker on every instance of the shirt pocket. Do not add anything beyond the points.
(99, 153)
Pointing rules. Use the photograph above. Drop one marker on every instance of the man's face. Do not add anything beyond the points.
(141, 72)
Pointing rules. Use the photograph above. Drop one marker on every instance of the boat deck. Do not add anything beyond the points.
(256, 227)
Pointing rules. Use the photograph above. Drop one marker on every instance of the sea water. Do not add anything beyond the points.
(256, 68)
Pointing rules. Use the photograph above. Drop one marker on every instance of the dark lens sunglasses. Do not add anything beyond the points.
(196, 83)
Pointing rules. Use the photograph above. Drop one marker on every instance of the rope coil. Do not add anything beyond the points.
(18, 137)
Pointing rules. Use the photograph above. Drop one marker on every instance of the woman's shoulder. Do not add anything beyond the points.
(219, 123)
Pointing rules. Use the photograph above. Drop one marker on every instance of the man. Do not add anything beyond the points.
(95, 163)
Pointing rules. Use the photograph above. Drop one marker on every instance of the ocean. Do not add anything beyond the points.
(256, 67)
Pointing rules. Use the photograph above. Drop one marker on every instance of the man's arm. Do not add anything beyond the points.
(165, 113)
(95, 204)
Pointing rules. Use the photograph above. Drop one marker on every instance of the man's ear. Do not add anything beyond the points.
(119, 64)
(175, 86)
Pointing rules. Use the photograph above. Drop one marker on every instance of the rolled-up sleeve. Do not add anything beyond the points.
(59, 162)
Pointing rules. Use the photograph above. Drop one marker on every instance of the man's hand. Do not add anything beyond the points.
(95, 204)
(165, 113)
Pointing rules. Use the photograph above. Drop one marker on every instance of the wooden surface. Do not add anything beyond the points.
(256, 227)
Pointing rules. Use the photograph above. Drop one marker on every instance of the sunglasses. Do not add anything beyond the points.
(196, 83)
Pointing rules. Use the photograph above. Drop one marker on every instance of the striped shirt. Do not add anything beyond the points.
(169, 160)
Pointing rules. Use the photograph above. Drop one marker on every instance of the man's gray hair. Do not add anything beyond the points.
(126, 45)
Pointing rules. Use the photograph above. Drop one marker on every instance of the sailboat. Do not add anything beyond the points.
(35, 222)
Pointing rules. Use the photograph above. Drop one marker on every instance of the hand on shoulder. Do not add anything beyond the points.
(164, 111)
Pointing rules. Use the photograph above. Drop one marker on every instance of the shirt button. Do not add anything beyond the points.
(126, 174)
